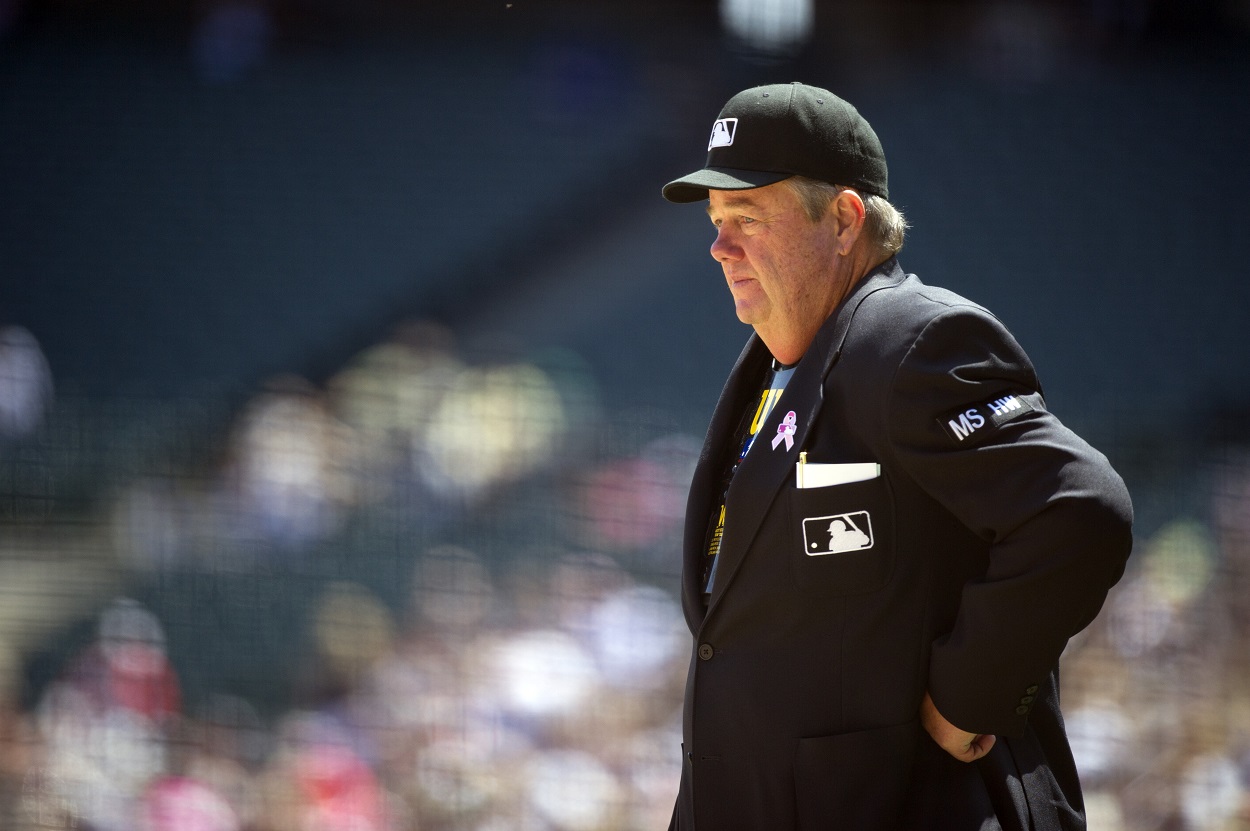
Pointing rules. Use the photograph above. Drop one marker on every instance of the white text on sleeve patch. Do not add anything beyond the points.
(977, 420)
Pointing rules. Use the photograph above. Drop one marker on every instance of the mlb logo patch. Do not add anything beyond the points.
(837, 534)
(723, 132)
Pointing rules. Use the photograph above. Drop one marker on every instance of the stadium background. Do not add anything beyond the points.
(352, 371)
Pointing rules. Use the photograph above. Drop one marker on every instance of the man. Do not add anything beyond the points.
(880, 587)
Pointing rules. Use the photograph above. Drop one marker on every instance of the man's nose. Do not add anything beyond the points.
(724, 248)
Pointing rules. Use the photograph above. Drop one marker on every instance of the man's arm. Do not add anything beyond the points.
(968, 424)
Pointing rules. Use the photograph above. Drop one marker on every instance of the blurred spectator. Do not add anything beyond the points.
(340, 790)
(232, 38)
(352, 631)
(775, 28)
(25, 377)
(452, 589)
(103, 723)
(388, 395)
(219, 753)
(126, 668)
(148, 524)
(636, 503)
(493, 426)
(636, 637)
(574, 791)
(292, 466)
(18, 757)
(1212, 793)
(179, 804)
(542, 673)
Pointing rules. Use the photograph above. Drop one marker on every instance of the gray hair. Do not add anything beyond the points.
(884, 224)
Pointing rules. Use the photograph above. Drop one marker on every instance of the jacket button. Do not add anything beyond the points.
(1022, 710)
(1032, 690)
(706, 652)
(1028, 699)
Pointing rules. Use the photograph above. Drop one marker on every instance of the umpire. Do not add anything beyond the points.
(889, 538)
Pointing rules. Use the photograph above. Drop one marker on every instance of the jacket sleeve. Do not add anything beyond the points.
(967, 422)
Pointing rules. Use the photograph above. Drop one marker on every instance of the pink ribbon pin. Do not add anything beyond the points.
(785, 430)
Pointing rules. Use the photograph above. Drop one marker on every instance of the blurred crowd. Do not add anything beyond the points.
(1157, 691)
(526, 671)
(565, 718)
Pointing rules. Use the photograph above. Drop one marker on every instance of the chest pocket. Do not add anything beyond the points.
(841, 539)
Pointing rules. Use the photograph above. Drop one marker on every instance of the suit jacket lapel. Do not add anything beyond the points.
(767, 468)
(705, 487)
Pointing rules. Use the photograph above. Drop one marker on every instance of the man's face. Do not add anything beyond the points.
(780, 266)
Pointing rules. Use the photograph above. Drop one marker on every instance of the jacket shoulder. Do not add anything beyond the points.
(889, 320)
(913, 300)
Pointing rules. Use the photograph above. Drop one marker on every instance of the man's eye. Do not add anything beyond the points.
(746, 220)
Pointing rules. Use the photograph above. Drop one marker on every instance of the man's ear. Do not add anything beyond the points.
(848, 214)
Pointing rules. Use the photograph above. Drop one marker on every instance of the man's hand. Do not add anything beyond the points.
(964, 746)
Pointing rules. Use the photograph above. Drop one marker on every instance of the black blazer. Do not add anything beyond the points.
(990, 536)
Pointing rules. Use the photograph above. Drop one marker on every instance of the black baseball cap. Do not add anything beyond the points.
(769, 133)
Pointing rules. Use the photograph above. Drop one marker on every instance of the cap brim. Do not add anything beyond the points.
(694, 187)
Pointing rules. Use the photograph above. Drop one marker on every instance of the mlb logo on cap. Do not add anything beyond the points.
(723, 133)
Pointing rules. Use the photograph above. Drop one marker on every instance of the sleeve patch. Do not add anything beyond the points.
(971, 423)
